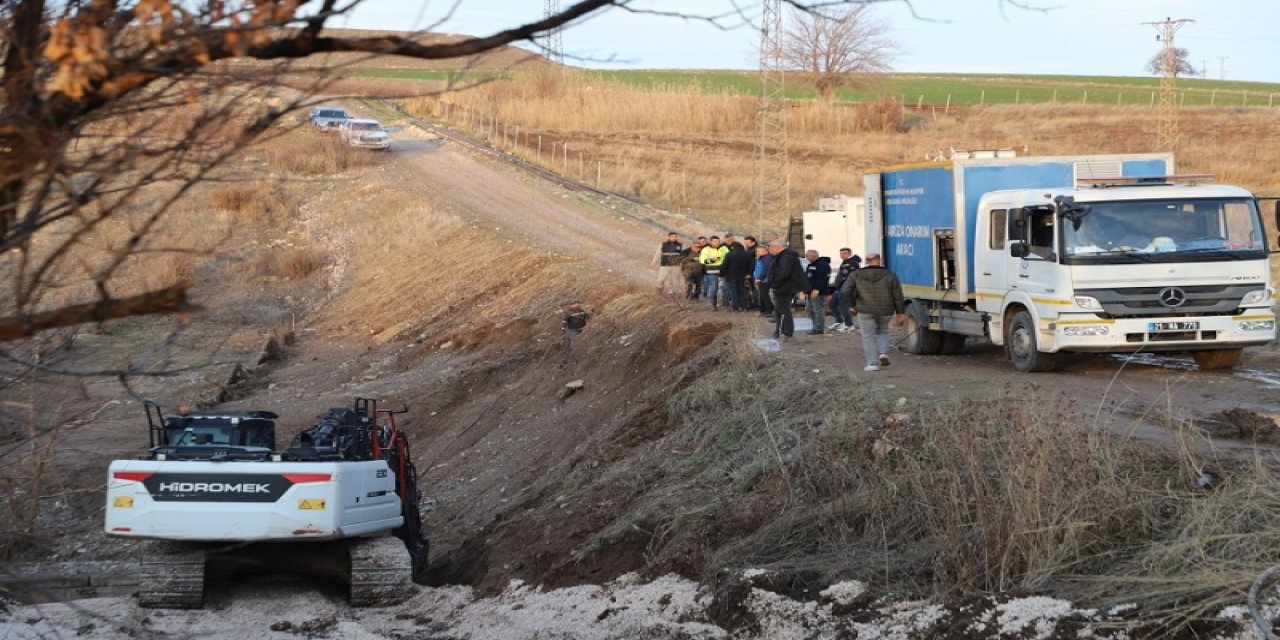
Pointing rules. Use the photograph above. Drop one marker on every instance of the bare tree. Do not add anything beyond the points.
(113, 109)
(1181, 63)
(835, 47)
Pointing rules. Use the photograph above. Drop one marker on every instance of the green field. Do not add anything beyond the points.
(935, 89)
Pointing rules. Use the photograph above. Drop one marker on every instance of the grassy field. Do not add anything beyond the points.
(930, 89)
(691, 149)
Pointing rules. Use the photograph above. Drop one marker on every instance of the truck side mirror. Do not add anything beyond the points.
(1019, 249)
(1017, 224)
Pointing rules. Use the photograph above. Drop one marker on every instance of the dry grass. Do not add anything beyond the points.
(684, 150)
(288, 264)
(821, 478)
(310, 152)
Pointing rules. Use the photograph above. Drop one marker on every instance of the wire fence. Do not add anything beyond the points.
(539, 147)
(1097, 96)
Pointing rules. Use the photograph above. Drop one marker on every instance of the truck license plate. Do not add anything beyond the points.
(1158, 327)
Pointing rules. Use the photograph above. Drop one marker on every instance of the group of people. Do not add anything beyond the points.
(747, 275)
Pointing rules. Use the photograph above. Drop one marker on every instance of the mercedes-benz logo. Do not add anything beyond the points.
(1172, 297)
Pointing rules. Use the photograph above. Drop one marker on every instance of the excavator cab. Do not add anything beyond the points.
(207, 434)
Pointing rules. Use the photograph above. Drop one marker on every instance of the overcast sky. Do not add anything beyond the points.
(1230, 39)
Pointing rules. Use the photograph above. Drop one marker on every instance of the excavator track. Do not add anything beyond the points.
(175, 582)
(381, 572)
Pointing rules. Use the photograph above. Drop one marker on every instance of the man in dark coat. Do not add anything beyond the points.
(876, 295)
(786, 279)
(737, 268)
(840, 309)
(819, 274)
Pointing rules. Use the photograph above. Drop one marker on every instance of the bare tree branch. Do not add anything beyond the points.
(170, 300)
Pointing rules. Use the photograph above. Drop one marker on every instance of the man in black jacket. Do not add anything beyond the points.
(737, 268)
(839, 304)
(786, 279)
(819, 274)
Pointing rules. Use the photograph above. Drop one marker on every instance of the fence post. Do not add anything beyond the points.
(565, 164)
(581, 172)
(1213, 98)
(982, 98)
(1153, 98)
(1244, 102)
(598, 174)
(947, 109)
(1085, 99)
(539, 147)
(1271, 99)
(1017, 96)
(920, 101)
(1055, 96)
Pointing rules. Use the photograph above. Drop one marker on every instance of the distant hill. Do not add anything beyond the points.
(502, 58)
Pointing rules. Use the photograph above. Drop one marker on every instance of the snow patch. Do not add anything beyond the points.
(1039, 613)
(844, 592)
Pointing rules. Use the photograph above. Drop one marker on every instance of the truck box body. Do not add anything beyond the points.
(838, 222)
(910, 204)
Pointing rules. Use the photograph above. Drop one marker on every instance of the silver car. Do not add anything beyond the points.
(328, 118)
(368, 134)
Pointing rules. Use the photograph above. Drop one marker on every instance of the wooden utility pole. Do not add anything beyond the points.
(772, 181)
(1167, 138)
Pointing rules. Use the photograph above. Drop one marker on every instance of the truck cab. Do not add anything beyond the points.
(1140, 264)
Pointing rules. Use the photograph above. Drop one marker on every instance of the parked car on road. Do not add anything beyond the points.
(368, 134)
(328, 118)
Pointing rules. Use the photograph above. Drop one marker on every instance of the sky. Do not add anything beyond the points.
(1229, 39)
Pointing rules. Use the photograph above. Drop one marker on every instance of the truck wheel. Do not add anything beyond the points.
(1218, 358)
(952, 343)
(920, 339)
(1024, 348)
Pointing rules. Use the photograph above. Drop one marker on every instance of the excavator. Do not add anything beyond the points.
(341, 501)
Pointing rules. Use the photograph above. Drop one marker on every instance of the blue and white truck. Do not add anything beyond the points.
(1043, 255)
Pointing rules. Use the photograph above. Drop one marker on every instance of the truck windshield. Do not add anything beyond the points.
(1177, 229)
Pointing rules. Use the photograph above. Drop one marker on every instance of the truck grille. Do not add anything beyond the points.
(1199, 300)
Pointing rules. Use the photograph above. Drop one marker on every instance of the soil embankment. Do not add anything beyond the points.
(443, 290)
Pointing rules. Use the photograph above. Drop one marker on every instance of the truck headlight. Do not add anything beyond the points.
(1088, 302)
(1254, 297)
(1258, 325)
(1086, 329)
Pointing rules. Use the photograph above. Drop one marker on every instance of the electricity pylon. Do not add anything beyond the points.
(1167, 137)
(554, 41)
(772, 195)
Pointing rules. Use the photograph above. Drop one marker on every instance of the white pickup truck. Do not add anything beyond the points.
(367, 134)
